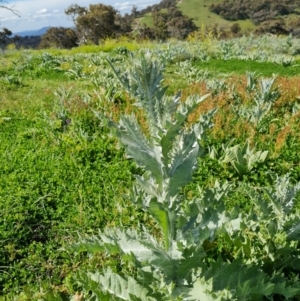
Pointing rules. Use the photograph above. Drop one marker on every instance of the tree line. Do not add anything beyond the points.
(268, 15)
(257, 11)
(98, 22)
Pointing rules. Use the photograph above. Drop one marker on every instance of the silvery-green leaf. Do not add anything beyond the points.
(118, 287)
(138, 147)
(183, 161)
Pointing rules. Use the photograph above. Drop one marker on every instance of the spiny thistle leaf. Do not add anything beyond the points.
(183, 160)
(138, 148)
(238, 277)
(88, 286)
(174, 125)
(143, 81)
(118, 287)
(285, 193)
(202, 289)
(242, 157)
(142, 245)
(287, 291)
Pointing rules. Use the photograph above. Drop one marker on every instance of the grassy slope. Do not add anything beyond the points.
(199, 11)
(147, 19)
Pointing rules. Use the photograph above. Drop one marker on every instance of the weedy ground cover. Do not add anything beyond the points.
(186, 262)
(63, 172)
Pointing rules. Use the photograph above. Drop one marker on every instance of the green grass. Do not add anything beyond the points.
(241, 67)
(199, 11)
(147, 20)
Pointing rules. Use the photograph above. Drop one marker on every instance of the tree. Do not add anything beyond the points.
(123, 24)
(4, 37)
(235, 28)
(179, 26)
(294, 28)
(6, 33)
(257, 10)
(74, 11)
(160, 24)
(134, 11)
(59, 37)
(97, 22)
(16, 40)
(172, 24)
(144, 32)
(277, 27)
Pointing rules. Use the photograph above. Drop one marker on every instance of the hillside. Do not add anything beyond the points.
(199, 10)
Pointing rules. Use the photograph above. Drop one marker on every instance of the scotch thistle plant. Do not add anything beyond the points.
(241, 157)
(176, 264)
(264, 98)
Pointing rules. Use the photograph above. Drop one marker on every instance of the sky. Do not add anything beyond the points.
(35, 14)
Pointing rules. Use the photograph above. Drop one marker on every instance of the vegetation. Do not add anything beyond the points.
(4, 36)
(59, 37)
(250, 15)
(199, 11)
(204, 182)
(96, 23)
(269, 16)
(257, 11)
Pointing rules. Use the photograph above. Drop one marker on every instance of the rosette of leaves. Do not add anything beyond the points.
(242, 157)
(264, 98)
(270, 235)
(174, 265)
(276, 209)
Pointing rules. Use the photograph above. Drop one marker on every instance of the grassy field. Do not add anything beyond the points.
(64, 174)
(147, 19)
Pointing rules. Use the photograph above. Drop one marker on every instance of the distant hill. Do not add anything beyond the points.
(200, 11)
(38, 32)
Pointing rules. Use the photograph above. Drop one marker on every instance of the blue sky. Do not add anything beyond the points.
(36, 14)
